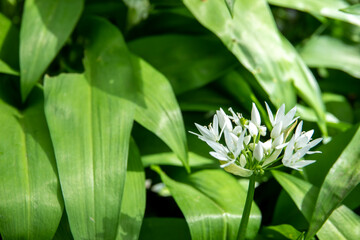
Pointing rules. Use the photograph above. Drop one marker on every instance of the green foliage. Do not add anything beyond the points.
(96, 95)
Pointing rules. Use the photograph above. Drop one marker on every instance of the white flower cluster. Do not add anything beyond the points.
(244, 153)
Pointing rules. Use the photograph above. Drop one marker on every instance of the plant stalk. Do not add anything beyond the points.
(247, 208)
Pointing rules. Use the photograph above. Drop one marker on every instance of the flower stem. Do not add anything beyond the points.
(247, 208)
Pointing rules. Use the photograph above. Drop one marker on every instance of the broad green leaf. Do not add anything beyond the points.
(45, 27)
(9, 47)
(188, 62)
(342, 223)
(90, 118)
(90, 129)
(353, 9)
(31, 204)
(163, 228)
(212, 202)
(160, 112)
(326, 8)
(133, 202)
(252, 36)
(283, 231)
(171, 159)
(329, 52)
(341, 179)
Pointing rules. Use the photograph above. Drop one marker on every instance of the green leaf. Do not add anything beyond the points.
(212, 202)
(45, 27)
(341, 179)
(353, 9)
(133, 202)
(162, 228)
(171, 159)
(188, 62)
(252, 36)
(31, 204)
(160, 112)
(63, 232)
(283, 231)
(9, 47)
(329, 52)
(138, 10)
(326, 8)
(342, 223)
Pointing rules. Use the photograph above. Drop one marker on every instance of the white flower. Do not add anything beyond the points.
(243, 153)
(280, 117)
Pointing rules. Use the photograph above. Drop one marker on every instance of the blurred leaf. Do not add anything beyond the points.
(163, 228)
(203, 100)
(160, 112)
(45, 27)
(342, 223)
(195, 160)
(339, 106)
(252, 36)
(188, 62)
(353, 9)
(31, 204)
(133, 202)
(341, 179)
(326, 8)
(9, 47)
(329, 52)
(283, 231)
(138, 11)
(211, 210)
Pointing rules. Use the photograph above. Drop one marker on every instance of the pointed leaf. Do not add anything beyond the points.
(133, 202)
(160, 112)
(45, 27)
(341, 179)
(212, 202)
(31, 204)
(342, 224)
(329, 52)
(326, 8)
(252, 36)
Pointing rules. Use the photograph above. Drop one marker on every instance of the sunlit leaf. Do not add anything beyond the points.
(329, 52)
(341, 179)
(171, 159)
(283, 231)
(133, 202)
(326, 8)
(138, 10)
(31, 204)
(252, 36)
(45, 27)
(160, 112)
(212, 211)
(342, 224)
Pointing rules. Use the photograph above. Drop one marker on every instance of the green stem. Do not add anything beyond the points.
(247, 208)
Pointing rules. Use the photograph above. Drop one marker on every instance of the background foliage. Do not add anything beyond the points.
(98, 96)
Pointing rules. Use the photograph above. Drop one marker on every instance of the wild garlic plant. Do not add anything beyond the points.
(239, 145)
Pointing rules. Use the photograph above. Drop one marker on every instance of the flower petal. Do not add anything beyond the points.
(255, 115)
